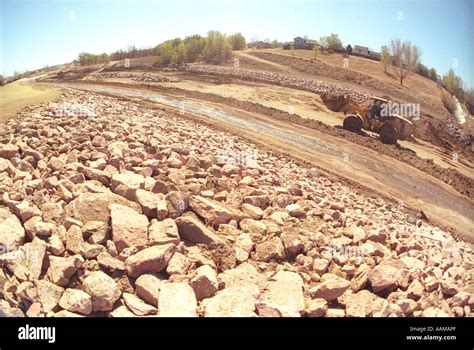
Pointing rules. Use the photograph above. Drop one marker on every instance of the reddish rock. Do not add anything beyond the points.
(204, 283)
(153, 259)
(331, 287)
(129, 229)
(76, 300)
(61, 269)
(137, 306)
(214, 212)
(148, 288)
(193, 230)
(125, 185)
(163, 232)
(270, 249)
(387, 276)
(103, 290)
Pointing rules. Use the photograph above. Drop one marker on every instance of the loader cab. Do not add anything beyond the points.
(376, 107)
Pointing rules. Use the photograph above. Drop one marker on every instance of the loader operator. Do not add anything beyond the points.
(375, 110)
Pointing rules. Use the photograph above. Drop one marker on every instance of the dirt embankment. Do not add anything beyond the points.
(452, 177)
(446, 135)
(316, 67)
(301, 83)
(432, 129)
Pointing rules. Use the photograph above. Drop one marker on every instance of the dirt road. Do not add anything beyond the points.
(404, 184)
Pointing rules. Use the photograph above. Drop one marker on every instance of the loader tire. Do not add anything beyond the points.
(388, 135)
(352, 123)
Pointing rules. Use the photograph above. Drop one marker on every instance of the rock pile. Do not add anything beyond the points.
(144, 77)
(313, 85)
(458, 133)
(133, 212)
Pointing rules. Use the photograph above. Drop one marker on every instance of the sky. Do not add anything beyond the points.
(37, 33)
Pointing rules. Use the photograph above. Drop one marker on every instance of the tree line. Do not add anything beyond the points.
(214, 48)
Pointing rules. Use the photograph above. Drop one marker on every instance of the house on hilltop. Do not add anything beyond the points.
(365, 52)
(300, 43)
(361, 50)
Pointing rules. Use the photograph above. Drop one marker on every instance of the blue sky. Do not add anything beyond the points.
(47, 32)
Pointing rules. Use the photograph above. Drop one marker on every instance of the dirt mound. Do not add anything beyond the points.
(71, 74)
(333, 101)
(448, 136)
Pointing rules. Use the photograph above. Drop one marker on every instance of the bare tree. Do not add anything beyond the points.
(254, 38)
(405, 57)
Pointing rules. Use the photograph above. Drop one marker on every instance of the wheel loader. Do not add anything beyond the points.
(391, 127)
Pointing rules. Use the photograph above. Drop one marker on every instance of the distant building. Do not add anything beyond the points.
(365, 52)
(375, 55)
(288, 45)
(300, 43)
(361, 50)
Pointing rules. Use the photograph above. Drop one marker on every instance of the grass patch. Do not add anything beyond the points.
(17, 95)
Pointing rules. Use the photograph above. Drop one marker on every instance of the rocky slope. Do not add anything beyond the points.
(313, 85)
(108, 208)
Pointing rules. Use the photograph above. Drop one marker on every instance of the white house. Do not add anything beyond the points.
(361, 50)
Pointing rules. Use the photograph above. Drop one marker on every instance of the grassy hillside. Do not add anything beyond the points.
(18, 95)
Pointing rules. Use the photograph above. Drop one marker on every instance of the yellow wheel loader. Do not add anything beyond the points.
(376, 118)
